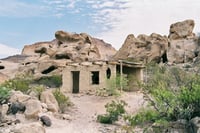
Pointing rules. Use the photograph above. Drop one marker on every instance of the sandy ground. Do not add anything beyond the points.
(85, 110)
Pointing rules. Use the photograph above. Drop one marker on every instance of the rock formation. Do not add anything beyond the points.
(181, 30)
(180, 46)
(183, 42)
(144, 48)
(51, 57)
(71, 46)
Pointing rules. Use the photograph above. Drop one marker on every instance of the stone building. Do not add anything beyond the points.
(90, 76)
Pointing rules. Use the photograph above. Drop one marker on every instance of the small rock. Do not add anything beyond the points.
(66, 117)
(16, 107)
(45, 120)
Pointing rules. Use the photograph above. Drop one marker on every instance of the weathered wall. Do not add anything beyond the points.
(134, 75)
(85, 77)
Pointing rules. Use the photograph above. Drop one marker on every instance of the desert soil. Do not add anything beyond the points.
(82, 116)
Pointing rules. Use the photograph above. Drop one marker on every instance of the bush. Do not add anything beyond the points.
(4, 94)
(62, 100)
(18, 84)
(173, 93)
(113, 110)
(54, 81)
(143, 117)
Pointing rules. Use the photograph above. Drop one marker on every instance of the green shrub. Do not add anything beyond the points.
(18, 84)
(142, 117)
(113, 111)
(106, 119)
(173, 93)
(54, 81)
(4, 94)
(62, 100)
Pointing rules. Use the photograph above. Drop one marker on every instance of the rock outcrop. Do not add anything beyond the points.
(180, 46)
(183, 42)
(182, 30)
(48, 58)
(73, 46)
(144, 48)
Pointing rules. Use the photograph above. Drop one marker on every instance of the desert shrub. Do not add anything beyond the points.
(143, 117)
(54, 81)
(113, 111)
(18, 84)
(173, 94)
(114, 85)
(62, 100)
(4, 94)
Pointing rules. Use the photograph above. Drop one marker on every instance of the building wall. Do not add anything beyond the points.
(134, 75)
(85, 77)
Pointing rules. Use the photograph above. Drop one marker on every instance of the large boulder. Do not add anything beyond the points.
(18, 96)
(183, 42)
(144, 48)
(29, 128)
(181, 29)
(48, 98)
(183, 50)
(33, 108)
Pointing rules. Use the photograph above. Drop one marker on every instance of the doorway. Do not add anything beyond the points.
(75, 81)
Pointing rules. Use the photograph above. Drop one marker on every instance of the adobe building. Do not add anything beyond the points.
(93, 75)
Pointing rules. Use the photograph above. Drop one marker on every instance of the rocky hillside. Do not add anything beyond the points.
(46, 58)
(180, 46)
(72, 46)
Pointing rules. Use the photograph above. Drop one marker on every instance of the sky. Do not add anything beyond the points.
(24, 22)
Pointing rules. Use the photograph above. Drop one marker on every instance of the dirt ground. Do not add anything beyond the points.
(82, 116)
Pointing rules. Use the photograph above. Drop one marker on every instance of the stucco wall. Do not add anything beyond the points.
(85, 77)
(134, 75)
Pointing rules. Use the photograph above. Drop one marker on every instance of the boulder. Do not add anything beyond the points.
(181, 29)
(29, 128)
(48, 98)
(144, 48)
(16, 107)
(70, 37)
(33, 108)
(183, 50)
(183, 42)
(18, 96)
(45, 120)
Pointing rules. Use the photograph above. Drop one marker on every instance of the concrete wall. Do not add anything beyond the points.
(85, 77)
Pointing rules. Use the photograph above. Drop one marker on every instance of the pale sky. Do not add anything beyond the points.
(25, 22)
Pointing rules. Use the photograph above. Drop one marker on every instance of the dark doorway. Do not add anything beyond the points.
(95, 77)
(108, 73)
(75, 81)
